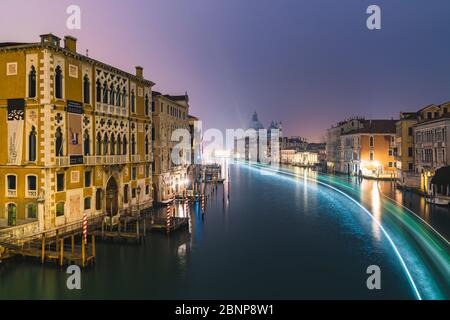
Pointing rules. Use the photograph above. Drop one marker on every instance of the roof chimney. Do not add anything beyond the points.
(70, 43)
(140, 72)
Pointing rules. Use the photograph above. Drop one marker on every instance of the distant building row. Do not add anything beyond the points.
(410, 149)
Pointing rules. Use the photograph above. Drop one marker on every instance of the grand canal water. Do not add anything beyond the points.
(277, 237)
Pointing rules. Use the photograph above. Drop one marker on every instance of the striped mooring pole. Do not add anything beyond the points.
(203, 204)
(169, 217)
(186, 208)
(85, 225)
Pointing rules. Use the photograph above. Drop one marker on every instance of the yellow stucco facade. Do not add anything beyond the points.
(76, 135)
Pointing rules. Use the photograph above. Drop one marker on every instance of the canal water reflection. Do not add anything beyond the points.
(274, 237)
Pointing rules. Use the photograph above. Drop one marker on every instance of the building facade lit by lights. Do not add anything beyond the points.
(362, 147)
(404, 150)
(76, 134)
(432, 135)
(170, 178)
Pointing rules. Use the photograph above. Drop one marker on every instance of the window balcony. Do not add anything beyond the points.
(32, 194)
(105, 108)
(118, 111)
(62, 161)
(112, 109)
(124, 112)
(11, 193)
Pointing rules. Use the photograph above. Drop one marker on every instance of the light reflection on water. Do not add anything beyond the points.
(277, 237)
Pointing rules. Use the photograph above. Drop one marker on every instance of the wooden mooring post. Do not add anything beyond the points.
(61, 256)
(43, 249)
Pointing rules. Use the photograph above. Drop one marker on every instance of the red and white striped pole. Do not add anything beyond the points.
(169, 217)
(186, 210)
(85, 225)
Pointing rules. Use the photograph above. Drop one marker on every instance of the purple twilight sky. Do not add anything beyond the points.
(308, 63)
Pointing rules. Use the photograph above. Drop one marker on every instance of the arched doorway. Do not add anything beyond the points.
(112, 197)
(12, 215)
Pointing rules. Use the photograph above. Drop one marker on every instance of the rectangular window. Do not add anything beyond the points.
(32, 211)
(133, 173)
(60, 209)
(87, 179)
(32, 183)
(12, 185)
(410, 166)
(410, 152)
(371, 141)
(372, 156)
(390, 164)
(133, 193)
(410, 131)
(87, 203)
(147, 189)
(60, 185)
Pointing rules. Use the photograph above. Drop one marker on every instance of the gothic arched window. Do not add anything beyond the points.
(147, 104)
(147, 145)
(125, 145)
(99, 144)
(105, 92)
(99, 91)
(112, 95)
(59, 142)
(87, 143)
(133, 101)
(58, 83)
(119, 145)
(105, 144)
(112, 149)
(32, 145)
(133, 144)
(119, 97)
(124, 98)
(86, 90)
(32, 83)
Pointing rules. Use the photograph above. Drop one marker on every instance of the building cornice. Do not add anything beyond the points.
(77, 56)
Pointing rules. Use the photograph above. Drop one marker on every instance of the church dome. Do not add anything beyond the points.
(255, 123)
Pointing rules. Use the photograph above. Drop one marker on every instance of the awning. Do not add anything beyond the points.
(442, 176)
